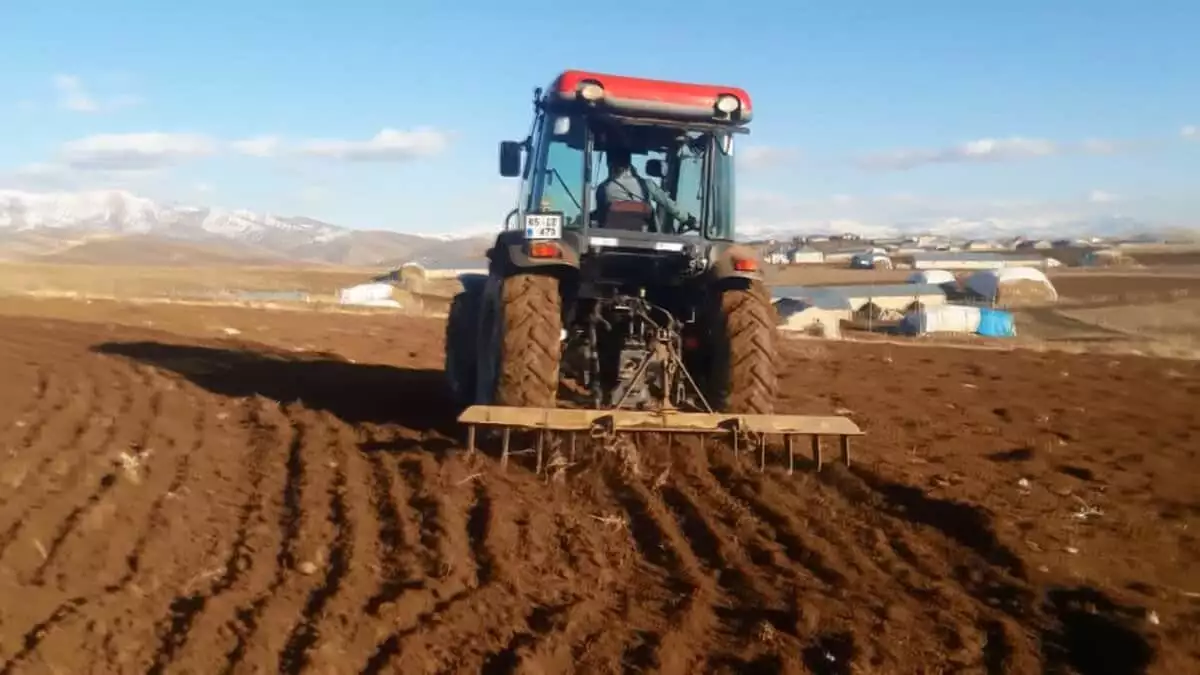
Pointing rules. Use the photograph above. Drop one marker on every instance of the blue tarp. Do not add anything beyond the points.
(996, 323)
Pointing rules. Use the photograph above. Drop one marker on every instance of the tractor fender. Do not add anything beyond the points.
(725, 260)
(511, 253)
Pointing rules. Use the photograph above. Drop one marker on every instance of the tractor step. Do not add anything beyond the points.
(609, 423)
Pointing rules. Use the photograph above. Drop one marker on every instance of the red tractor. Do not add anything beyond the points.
(627, 301)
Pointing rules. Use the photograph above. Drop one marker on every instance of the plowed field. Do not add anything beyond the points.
(173, 501)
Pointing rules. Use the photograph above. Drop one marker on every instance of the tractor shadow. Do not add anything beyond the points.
(355, 393)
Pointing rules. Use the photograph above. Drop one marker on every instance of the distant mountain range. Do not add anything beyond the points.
(116, 227)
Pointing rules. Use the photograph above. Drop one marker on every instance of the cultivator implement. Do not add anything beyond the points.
(740, 430)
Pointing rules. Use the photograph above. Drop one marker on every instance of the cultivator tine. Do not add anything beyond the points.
(846, 450)
(541, 444)
(505, 441)
(816, 451)
(790, 441)
(470, 440)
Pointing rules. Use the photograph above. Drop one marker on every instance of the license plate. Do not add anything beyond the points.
(543, 225)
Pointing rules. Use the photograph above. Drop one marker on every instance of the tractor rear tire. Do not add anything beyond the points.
(462, 331)
(530, 348)
(743, 378)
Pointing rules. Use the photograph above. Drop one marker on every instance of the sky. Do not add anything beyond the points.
(387, 115)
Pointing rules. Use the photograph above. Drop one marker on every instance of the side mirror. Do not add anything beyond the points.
(510, 159)
(654, 168)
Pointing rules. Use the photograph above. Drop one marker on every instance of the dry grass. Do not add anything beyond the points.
(180, 283)
(1179, 317)
(1022, 292)
(1170, 329)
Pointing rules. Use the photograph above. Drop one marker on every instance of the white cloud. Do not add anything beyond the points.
(139, 151)
(1190, 132)
(389, 145)
(72, 95)
(40, 175)
(62, 176)
(763, 156)
(990, 150)
(1102, 197)
(258, 146)
(981, 150)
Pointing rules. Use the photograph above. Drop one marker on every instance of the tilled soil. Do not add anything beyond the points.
(175, 502)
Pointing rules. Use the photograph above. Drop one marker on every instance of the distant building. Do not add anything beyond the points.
(972, 260)
(977, 245)
(810, 256)
(890, 297)
(1038, 244)
(873, 259)
(438, 269)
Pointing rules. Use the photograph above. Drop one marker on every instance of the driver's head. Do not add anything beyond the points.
(619, 158)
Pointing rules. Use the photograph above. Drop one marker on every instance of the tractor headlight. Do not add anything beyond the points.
(727, 103)
(591, 92)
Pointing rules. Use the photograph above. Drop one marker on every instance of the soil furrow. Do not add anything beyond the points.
(820, 564)
(445, 542)
(690, 609)
(44, 400)
(32, 638)
(113, 624)
(467, 625)
(344, 554)
(125, 475)
(262, 625)
(38, 450)
(251, 565)
(99, 532)
(69, 463)
(584, 587)
(49, 520)
(220, 522)
(397, 569)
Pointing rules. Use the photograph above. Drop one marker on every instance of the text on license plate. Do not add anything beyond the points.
(543, 226)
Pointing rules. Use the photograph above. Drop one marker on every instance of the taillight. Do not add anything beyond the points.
(544, 249)
(745, 265)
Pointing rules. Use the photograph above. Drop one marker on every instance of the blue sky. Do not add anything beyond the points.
(867, 113)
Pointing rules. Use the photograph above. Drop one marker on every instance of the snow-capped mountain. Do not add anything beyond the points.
(64, 219)
(119, 212)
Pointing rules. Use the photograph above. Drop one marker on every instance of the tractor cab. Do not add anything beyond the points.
(679, 138)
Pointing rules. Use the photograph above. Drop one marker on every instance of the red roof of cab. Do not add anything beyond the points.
(651, 91)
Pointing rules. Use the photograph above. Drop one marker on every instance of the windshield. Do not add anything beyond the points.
(668, 167)
(558, 186)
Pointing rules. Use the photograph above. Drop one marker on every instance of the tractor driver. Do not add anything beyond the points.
(623, 184)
